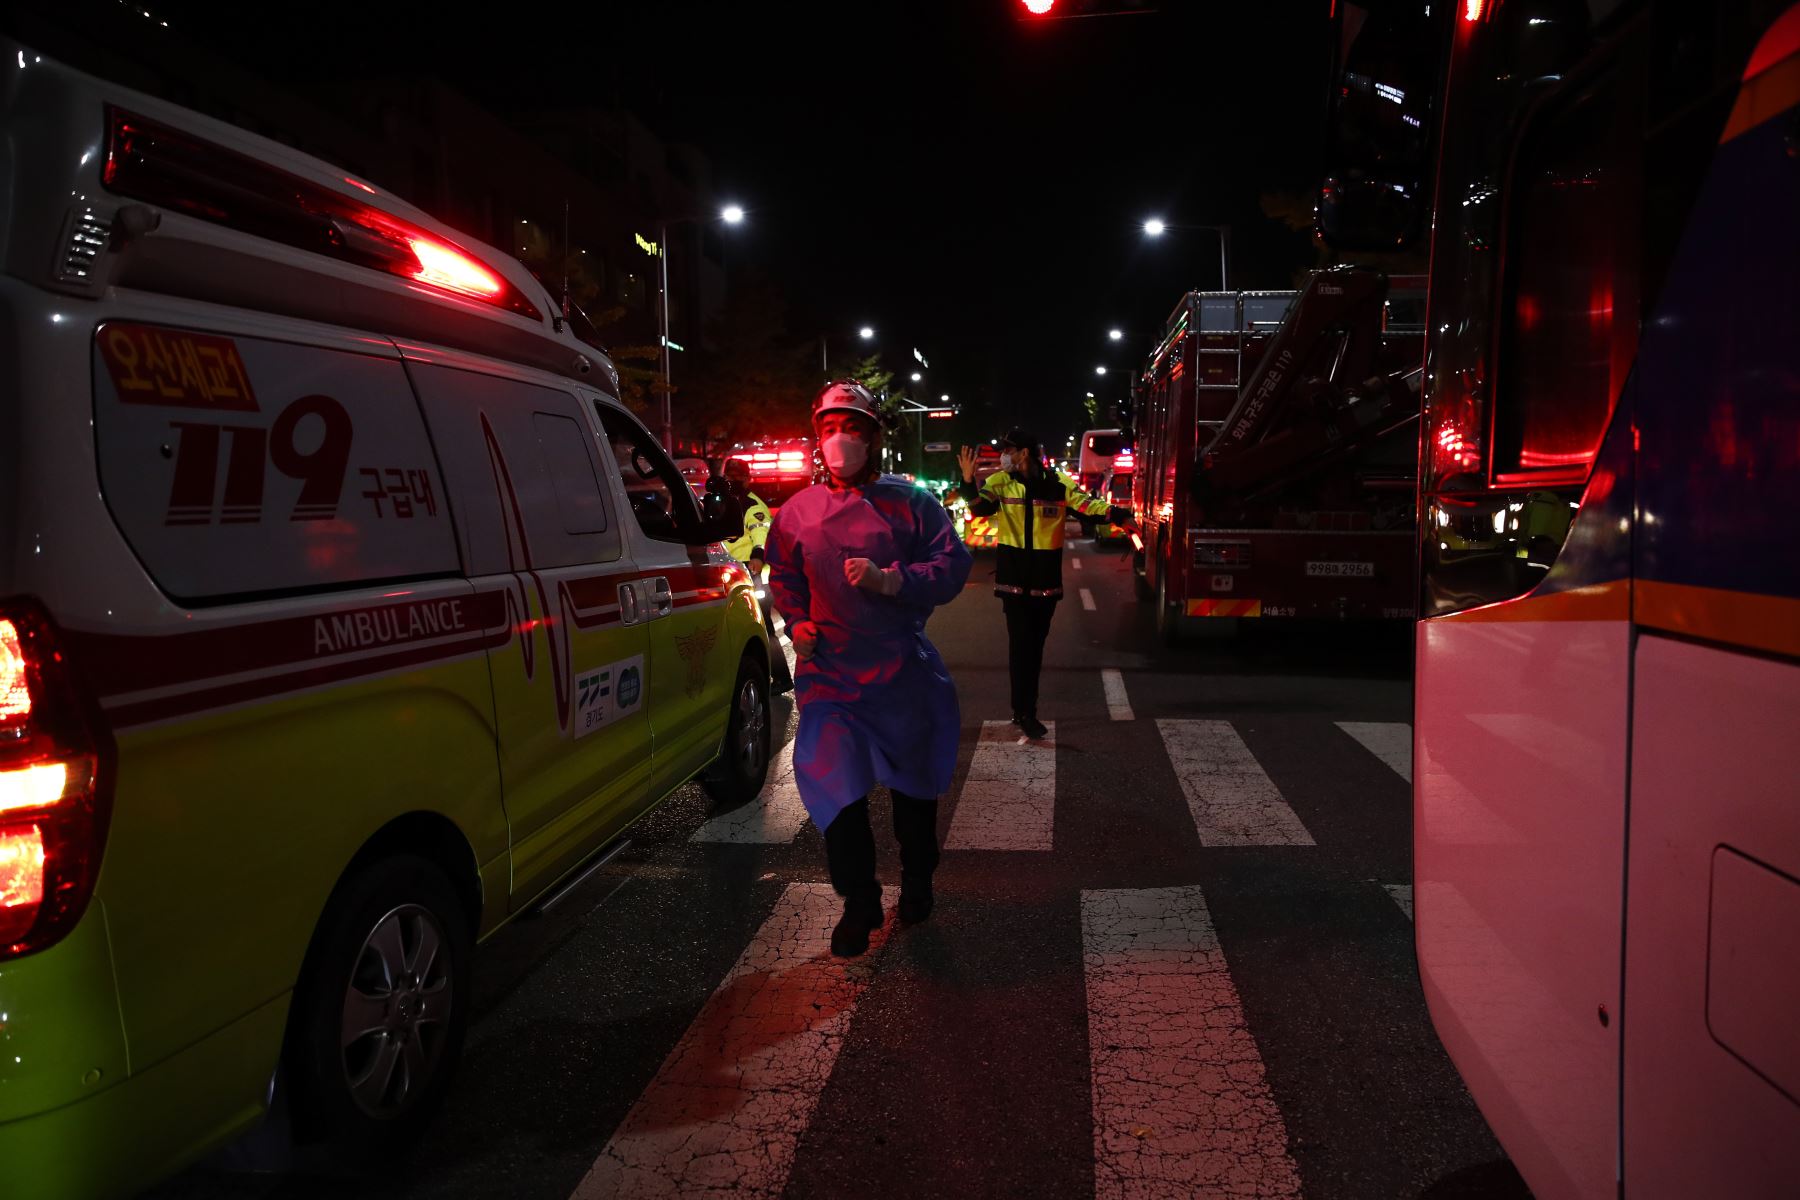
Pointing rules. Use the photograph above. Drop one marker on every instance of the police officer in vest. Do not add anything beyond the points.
(1029, 502)
(749, 550)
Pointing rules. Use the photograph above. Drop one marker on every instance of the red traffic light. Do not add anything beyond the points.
(1039, 7)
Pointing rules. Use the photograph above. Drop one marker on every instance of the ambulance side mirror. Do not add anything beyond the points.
(716, 527)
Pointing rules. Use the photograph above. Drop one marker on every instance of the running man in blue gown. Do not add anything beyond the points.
(856, 564)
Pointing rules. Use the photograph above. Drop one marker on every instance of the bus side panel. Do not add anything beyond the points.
(1712, 1065)
(1518, 851)
(1712, 963)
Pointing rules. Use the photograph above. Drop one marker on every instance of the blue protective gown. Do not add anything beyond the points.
(876, 703)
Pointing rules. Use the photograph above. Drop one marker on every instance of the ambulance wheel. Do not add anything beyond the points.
(380, 1011)
(743, 764)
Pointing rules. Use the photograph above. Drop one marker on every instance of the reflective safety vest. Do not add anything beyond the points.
(756, 529)
(1028, 516)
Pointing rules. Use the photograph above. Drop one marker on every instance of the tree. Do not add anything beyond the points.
(567, 272)
(754, 381)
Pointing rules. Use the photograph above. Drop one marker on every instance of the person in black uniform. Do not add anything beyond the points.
(1029, 502)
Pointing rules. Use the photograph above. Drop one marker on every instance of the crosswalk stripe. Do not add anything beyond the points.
(1118, 703)
(1087, 601)
(726, 1112)
(776, 815)
(1402, 894)
(1182, 1105)
(1075, 561)
(1233, 800)
(1008, 798)
(1390, 741)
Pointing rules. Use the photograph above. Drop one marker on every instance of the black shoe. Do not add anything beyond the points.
(862, 916)
(1033, 727)
(915, 900)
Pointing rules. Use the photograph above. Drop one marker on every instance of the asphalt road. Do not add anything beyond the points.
(1172, 956)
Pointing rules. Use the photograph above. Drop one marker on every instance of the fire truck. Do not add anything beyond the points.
(1606, 725)
(1275, 457)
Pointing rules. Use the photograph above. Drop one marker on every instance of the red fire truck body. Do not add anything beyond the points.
(1276, 457)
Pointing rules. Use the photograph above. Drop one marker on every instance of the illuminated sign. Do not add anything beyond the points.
(646, 245)
(939, 414)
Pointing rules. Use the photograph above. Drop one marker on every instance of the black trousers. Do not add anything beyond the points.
(1027, 625)
(850, 845)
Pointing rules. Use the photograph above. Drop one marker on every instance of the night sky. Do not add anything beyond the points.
(966, 180)
(972, 184)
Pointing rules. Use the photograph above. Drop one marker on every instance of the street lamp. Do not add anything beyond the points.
(731, 214)
(1099, 370)
(916, 377)
(1117, 335)
(865, 333)
(1155, 227)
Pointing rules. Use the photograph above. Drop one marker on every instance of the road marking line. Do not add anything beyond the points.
(1075, 561)
(776, 815)
(726, 1111)
(1234, 802)
(1087, 601)
(1117, 702)
(1402, 894)
(1008, 798)
(1390, 741)
(1182, 1105)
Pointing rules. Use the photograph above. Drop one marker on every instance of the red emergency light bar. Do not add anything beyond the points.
(153, 162)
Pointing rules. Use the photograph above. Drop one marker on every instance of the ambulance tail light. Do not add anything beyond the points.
(55, 780)
(156, 163)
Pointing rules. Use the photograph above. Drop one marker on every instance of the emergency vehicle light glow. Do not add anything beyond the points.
(162, 165)
(37, 786)
(15, 693)
(55, 792)
(443, 267)
(21, 881)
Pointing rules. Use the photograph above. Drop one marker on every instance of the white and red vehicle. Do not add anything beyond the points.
(778, 468)
(1100, 451)
(345, 615)
(1275, 457)
(1606, 727)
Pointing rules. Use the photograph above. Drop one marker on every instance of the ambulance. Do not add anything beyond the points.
(345, 614)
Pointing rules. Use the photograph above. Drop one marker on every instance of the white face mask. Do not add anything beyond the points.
(845, 455)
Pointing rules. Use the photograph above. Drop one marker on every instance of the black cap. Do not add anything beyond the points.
(1021, 439)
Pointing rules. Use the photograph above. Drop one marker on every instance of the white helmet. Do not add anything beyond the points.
(846, 395)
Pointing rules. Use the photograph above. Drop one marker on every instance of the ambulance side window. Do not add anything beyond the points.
(522, 471)
(566, 457)
(660, 498)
